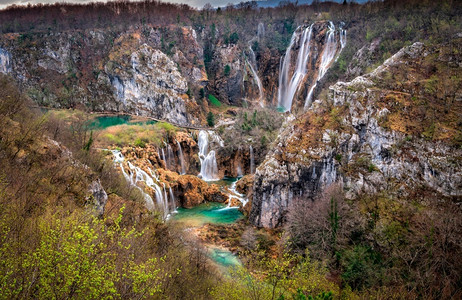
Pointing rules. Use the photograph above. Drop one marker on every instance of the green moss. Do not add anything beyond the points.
(214, 100)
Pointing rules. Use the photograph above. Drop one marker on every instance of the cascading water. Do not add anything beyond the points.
(209, 167)
(252, 161)
(172, 199)
(253, 64)
(141, 176)
(328, 55)
(260, 31)
(239, 171)
(163, 158)
(119, 158)
(180, 154)
(287, 89)
(234, 194)
(170, 157)
(289, 85)
(165, 198)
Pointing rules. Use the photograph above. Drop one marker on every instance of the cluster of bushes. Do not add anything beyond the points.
(381, 244)
(260, 126)
(52, 243)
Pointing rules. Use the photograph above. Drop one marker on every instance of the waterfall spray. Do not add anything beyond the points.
(328, 55)
(182, 163)
(141, 176)
(209, 167)
(288, 89)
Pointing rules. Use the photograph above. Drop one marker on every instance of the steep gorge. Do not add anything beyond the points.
(372, 135)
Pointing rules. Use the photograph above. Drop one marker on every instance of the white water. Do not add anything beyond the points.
(183, 168)
(328, 55)
(170, 157)
(234, 194)
(135, 175)
(239, 171)
(260, 31)
(253, 64)
(343, 38)
(255, 75)
(289, 85)
(163, 158)
(209, 167)
(5, 61)
(252, 161)
(172, 199)
(287, 89)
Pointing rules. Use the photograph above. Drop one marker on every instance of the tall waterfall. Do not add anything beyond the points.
(209, 167)
(287, 89)
(134, 175)
(328, 55)
(252, 161)
(163, 158)
(253, 64)
(172, 199)
(290, 84)
(180, 154)
(260, 31)
(170, 157)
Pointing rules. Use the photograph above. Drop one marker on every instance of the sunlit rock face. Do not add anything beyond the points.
(132, 71)
(149, 84)
(5, 61)
(367, 135)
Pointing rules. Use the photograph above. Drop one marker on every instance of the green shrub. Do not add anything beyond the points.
(227, 70)
(210, 119)
(140, 143)
(214, 100)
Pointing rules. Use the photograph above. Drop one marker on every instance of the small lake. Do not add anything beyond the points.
(210, 212)
(103, 122)
(224, 257)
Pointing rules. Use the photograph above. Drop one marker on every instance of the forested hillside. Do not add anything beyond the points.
(151, 150)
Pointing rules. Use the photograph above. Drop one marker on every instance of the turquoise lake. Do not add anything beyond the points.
(103, 122)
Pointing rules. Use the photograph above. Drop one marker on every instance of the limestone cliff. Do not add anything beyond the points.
(133, 71)
(388, 130)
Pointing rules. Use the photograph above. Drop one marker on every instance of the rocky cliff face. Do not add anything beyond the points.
(149, 83)
(381, 131)
(5, 64)
(146, 71)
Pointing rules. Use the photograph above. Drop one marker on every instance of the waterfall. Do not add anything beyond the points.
(209, 167)
(256, 78)
(170, 157)
(180, 154)
(253, 64)
(252, 161)
(239, 171)
(288, 89)
(329, 51)
(165, 198)
(163, 158)
(119, 158)
(328, 55)
(172, 199)
(343, 38)
(260, 31)
(234, 194)
(5, 61)
(141, 176)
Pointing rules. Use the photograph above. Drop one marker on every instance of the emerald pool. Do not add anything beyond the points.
(210, 212)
